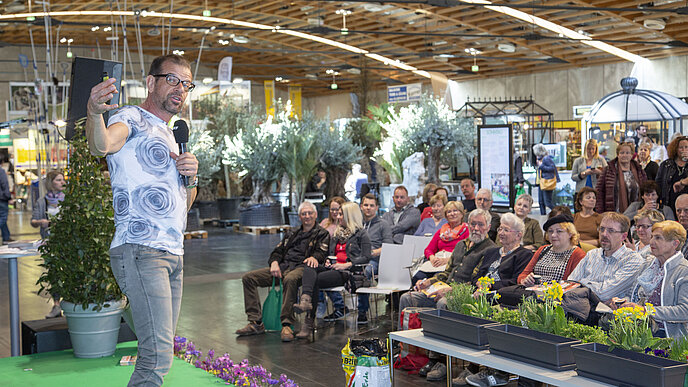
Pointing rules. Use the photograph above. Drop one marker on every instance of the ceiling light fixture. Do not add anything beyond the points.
(556, 28)
(178, 52)
(207, 80)
(344, 13)
(237, 80)
(506, 47)
(95, 28)
(240, 39)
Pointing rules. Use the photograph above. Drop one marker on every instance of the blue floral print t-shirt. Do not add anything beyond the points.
(148, 195)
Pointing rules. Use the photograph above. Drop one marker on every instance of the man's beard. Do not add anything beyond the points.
(476, 238)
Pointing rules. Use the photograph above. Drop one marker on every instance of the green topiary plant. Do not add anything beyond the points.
(75, 257)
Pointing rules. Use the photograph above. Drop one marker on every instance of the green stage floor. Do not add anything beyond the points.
(61, 368)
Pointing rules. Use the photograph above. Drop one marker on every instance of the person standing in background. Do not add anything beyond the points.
(5, 198)
(588, 167)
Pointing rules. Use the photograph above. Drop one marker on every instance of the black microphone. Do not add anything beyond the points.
(181, 137)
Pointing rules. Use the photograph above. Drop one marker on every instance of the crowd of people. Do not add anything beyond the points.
(624, 245)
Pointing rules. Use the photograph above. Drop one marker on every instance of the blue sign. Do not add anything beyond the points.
(404, 93)
(23, 60)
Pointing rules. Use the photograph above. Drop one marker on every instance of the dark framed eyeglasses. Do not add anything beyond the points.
(174, 80)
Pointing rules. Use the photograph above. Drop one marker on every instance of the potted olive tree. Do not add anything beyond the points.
(76, 259)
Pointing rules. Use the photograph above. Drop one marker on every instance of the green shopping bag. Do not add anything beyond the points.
(272, 308)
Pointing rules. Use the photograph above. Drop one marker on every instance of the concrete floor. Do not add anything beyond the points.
(212, 308)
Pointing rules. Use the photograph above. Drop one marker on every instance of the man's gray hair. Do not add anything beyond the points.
(513, 222)
(484, 190)
(480, 212)
(307, 204)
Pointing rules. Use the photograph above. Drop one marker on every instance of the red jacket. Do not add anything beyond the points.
(576, 256)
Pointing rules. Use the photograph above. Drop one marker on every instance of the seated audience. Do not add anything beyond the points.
(335, 214)
(650, 167)
(556, 261)
(429, 226)
(468, 191)
(664, 282)
(351, 246)
(586, 219)
(306, 246)
(403, 217)
(483, 201)
(610, 271)
(379, 232)
(427, 212)
(445, 239)
(532, 235)
(504, 264)
(644, 220)
(619, 184)
(648, 200)
(428, 192)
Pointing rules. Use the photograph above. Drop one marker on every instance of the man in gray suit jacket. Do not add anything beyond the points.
(404, 218)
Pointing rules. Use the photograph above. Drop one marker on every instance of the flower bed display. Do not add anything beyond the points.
(464, 330)
(238, 374)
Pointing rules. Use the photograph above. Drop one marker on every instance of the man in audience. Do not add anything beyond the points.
(682, 217)
(468, 190)
(610, 270)
(483, 200)
(403, 217)
(379, 232)
(307, 245)
(465, 260)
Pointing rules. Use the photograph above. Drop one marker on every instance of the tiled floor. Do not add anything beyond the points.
(212, 308)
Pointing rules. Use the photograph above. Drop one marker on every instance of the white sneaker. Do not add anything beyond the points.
(55, 312)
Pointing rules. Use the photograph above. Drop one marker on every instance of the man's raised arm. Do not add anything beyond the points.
(101, 139)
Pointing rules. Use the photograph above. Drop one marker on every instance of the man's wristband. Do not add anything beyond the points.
(194, 183)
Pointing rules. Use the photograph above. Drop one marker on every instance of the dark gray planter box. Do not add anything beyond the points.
(455, 327)
(627, 368)
(533, 347)
(261, 215)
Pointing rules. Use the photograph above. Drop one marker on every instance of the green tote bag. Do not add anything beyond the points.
(272, 308)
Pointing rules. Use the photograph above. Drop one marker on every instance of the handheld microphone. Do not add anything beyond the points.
(181, 137)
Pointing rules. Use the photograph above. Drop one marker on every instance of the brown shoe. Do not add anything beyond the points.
(305, 304)
(306, 328)
(287, 334)
(251, 329)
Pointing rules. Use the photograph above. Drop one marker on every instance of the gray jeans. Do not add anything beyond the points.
(152, 281)
(419, 299)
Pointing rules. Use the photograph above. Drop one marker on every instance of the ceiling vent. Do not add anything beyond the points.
(654, 24)
(506, 47)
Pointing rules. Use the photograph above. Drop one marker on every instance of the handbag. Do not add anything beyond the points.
(272, 308)
(548, 184)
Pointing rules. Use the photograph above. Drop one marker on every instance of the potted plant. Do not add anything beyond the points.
(338, 153)
(76, 259)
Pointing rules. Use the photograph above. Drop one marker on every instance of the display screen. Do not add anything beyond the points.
(558, 153)
(495, 162)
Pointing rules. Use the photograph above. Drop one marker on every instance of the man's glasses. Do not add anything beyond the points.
(609, 230)
(174, 80)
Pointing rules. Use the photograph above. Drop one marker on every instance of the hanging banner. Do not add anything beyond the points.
(269, 97)
(224, 74)
(295, 98)
(404, 93)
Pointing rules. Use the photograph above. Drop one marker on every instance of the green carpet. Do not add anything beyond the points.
(61, 368)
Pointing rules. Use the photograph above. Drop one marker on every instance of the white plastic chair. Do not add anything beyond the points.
(393, 275)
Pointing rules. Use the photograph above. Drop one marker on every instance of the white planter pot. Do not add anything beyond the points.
(93, 334)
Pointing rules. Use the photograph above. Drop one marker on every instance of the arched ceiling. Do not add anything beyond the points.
(430, 35)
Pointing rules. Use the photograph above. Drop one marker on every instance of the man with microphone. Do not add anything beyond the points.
(153, 186)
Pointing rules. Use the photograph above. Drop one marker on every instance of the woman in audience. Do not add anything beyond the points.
(445, 239)
(586, 219)
(663, 282)
(588, 167)
(672, 175)
(429, 226)
(332, 220)
(532, 235)
(43, 208)
(351, 246)
(619, 184)
(648, 201)
(428, 193)
(556, 261)
(649, 166)
(427, 212)
(504, 264)
(644, 220)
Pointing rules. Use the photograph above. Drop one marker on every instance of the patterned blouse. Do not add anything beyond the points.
(551, 265)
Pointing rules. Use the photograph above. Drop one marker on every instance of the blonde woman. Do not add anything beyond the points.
(349, 245)
(330, 223)
(588, 167)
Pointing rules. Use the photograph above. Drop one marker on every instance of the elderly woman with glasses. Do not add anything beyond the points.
(504, 264)
(664, 281)
(644, 220)
(672, 175)
(532, 234)
(556, 261)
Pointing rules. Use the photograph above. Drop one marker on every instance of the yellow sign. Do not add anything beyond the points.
(295, 98)
(269, 97)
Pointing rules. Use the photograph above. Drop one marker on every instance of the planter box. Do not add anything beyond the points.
(455, 327)
(229, 207)
(261, 215)
(533, 347)
(627, 368)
